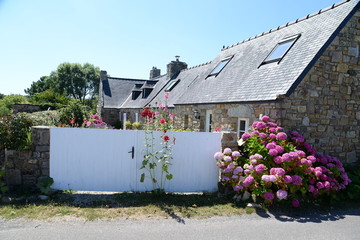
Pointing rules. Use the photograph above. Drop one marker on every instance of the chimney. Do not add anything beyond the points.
(103, 75)
(174, 68)
(154, 72)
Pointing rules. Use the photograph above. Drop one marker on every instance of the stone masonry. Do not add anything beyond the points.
(28, 167)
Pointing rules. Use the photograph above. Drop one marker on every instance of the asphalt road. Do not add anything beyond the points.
(336, 225)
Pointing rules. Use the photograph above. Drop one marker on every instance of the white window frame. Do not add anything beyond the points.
(124, 120)
(136, 117)
(246, 126)
(208, 121)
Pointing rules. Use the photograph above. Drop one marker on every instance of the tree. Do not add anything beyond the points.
(7, 103)
(2, 96)
(77, 81)
(41, 85)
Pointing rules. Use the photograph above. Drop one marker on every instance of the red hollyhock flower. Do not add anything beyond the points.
(162, 121)
(166, 138)
(72, 121)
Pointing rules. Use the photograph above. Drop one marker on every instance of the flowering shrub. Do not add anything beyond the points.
(158, 119)
(276, 166)
(95, 121)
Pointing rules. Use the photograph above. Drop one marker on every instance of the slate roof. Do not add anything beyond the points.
(242, 80)
(141, 102)
(116, 90)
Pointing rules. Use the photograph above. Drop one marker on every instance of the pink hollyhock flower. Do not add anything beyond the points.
(265, 118)
(237, 188)
(227, 151)
(51, 116)
(260, 168)
(235, 154)
(245, 136)
(248, 181)
(172, 115)
(227, 158)
(237, 170)
(287, 179)
(295, 203)
(281, 194)
(162, 121)
(273, 152)
(281, 136)
(167, 95)
(297, 180)
(269, 196)
(217, 129)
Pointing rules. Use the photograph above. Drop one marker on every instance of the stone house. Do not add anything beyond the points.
(304, 75)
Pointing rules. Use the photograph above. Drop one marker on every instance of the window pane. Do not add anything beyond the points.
(220, 66)
(280, 50)
(242, 125)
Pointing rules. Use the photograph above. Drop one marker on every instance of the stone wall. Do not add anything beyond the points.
(28, 167)
(29, 108)
(325, 107)
(110, 115)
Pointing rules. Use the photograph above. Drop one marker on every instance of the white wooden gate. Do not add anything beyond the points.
(110, 160)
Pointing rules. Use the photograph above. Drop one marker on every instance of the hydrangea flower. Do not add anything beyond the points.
(281, 136)
(260, 168)
(281, 194)
(273, 152)
(237, 170)
(269, 196)
(248, 181)
(297, 180)
(227, 151)
(295, 203)
(287, 179)
(227, 158)
(245, 136)
(235, 154)
(265, 118)
(218, 155)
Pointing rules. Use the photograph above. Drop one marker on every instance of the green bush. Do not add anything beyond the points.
(128, 125)
(74, 114)
(44, 118)
(15, 132)
(49, 99)
(136, 125)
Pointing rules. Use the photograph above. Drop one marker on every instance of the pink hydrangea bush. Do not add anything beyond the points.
(277, 167)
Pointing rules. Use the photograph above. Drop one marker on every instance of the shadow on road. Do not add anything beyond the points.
(315, 214)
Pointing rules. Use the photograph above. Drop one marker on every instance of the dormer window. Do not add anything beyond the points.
(220, 67)
(281, 49)
(171, 85)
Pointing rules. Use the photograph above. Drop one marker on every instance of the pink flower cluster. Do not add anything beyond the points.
(277, 166)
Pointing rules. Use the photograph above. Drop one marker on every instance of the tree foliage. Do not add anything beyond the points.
(50, 99)
(7, 103)
(72, 79)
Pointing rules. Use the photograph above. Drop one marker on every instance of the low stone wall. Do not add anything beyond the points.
(229, 140)
(29, 108)
(28, 167)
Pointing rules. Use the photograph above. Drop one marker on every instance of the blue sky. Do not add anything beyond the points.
(127, 38)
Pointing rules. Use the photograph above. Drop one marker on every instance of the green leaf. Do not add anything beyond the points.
(169, 176)
(142, 177)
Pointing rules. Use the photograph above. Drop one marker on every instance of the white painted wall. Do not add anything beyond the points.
(99, 160)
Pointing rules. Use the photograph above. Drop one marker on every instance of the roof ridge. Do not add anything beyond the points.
(127, 79)
(196, 66)
(289, 23)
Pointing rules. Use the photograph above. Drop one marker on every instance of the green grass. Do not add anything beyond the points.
(126, 205)
(72, 205)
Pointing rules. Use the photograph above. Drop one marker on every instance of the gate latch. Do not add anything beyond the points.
(132, 152)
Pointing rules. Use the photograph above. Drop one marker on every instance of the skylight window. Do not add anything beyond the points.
(171, 85)
(220, 66)
(281, 49)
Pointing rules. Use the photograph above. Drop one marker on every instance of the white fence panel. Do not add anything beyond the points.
(99, 160)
